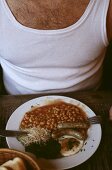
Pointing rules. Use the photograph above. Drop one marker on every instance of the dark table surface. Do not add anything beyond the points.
(99, 101)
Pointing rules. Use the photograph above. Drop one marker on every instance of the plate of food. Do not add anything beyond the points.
(59, 133)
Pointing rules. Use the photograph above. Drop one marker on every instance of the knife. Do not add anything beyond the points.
(12, 133)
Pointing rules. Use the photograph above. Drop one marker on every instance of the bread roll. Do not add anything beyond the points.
(3, 168)
(15, 164)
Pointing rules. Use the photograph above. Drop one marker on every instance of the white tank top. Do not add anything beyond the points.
(69, 59)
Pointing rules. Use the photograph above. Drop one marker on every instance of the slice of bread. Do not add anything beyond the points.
(15, 164)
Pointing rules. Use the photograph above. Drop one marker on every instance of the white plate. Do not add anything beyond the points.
(90, 146)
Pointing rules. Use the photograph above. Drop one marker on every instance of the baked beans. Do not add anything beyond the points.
(49, 116)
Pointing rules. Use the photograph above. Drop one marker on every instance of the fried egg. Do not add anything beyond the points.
(70, 145)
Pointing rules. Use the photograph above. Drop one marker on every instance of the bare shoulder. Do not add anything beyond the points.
(109, 21)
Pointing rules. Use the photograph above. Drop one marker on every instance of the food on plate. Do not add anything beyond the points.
(49, 149)
(83, 125)
(70, 145)
(58, 127)
(15, 164)
(50, 115)
(68, 132)
(35, 134)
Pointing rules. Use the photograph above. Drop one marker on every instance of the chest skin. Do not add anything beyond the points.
(47, 14)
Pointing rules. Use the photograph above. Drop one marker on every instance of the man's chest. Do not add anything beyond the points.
(39, 16)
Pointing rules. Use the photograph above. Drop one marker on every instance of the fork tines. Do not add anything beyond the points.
(95, 119)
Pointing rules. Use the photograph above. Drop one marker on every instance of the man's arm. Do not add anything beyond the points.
(2, 89)
(0, 80)
(107, 76)
(109, 22)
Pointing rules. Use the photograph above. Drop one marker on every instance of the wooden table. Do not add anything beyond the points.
(99, 102)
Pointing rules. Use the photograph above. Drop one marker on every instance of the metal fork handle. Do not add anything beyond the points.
(95, 119)
(11, 133)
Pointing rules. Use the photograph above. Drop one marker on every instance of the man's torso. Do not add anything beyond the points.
(38, 55)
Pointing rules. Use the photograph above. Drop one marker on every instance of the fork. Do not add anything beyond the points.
(95, 119)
